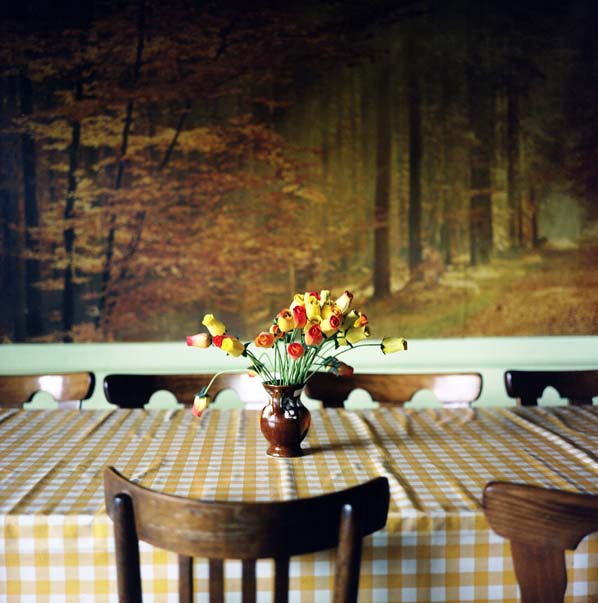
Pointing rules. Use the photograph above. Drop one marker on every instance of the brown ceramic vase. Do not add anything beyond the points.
(284, 421)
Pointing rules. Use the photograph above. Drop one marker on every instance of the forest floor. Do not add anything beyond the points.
(536, 292)
(541, 292)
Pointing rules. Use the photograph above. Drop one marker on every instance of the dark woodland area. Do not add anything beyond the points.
(162, 160)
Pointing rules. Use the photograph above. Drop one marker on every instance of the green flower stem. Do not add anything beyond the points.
(284, 370)
(216, 375)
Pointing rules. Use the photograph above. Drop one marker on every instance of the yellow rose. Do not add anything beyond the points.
(312, 306)
(232, 346)
(350, 320)
(297, 301)
(357, 334)
(324, 296)
(285, 320)
(390, 345)
(330, 308)
(214, 326)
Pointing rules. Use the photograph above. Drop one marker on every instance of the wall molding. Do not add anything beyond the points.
(490, 356)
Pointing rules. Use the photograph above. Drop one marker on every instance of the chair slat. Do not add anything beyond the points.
(281, 579)
(185, 579)
(248, 581)
(216, 573)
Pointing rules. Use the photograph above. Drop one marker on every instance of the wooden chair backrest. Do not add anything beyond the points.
(220, 530)
(135, 391)
(540, 524)
(68, 389)
(451, 389)
(578, 387)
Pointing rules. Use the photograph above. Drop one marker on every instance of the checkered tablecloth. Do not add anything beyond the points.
(56, 540)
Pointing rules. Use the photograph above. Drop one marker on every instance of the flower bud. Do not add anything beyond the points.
(214, 326)
(200, 403)
(357, 334)
(200, 340)
(232, 346)
(344, 301)
(390, 345)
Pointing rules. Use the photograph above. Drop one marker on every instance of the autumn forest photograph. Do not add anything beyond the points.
(160, 160)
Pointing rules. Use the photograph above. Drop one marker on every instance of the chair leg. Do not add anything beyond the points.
(535, 568)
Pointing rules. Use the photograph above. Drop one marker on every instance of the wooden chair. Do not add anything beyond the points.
(220, 530)
(451, 389)
(579, 387)
(135, 391)
(540, 524)
(68, 389)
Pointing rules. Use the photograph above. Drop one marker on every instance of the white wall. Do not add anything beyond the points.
(489, 356)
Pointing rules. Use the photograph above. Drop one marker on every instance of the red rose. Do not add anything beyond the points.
(295, 350)
(217, 340)
(335, 321)
(314, 335)
(300, 316)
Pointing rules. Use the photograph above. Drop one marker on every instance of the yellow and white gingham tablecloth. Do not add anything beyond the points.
(56, 540)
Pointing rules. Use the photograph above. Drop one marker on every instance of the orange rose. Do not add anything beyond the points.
(264, 340)
(278, 334)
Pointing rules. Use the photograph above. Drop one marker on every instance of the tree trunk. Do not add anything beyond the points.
(481, 119)
(382, 195)
(105, 307)
(32, 266)
(68, 295)
(513, 167)
(12, 268)
(415, 164)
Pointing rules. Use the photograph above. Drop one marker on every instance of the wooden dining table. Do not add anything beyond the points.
(56, 540)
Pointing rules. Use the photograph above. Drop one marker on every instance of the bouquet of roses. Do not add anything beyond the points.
(306, 337)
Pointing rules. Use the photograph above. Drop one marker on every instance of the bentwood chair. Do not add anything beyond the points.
(451, 389)
(135, 391)
(68, 389)
(540, 524)
(578, 387)
(220, 530)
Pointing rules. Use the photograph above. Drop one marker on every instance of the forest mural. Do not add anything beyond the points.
(161, 159)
